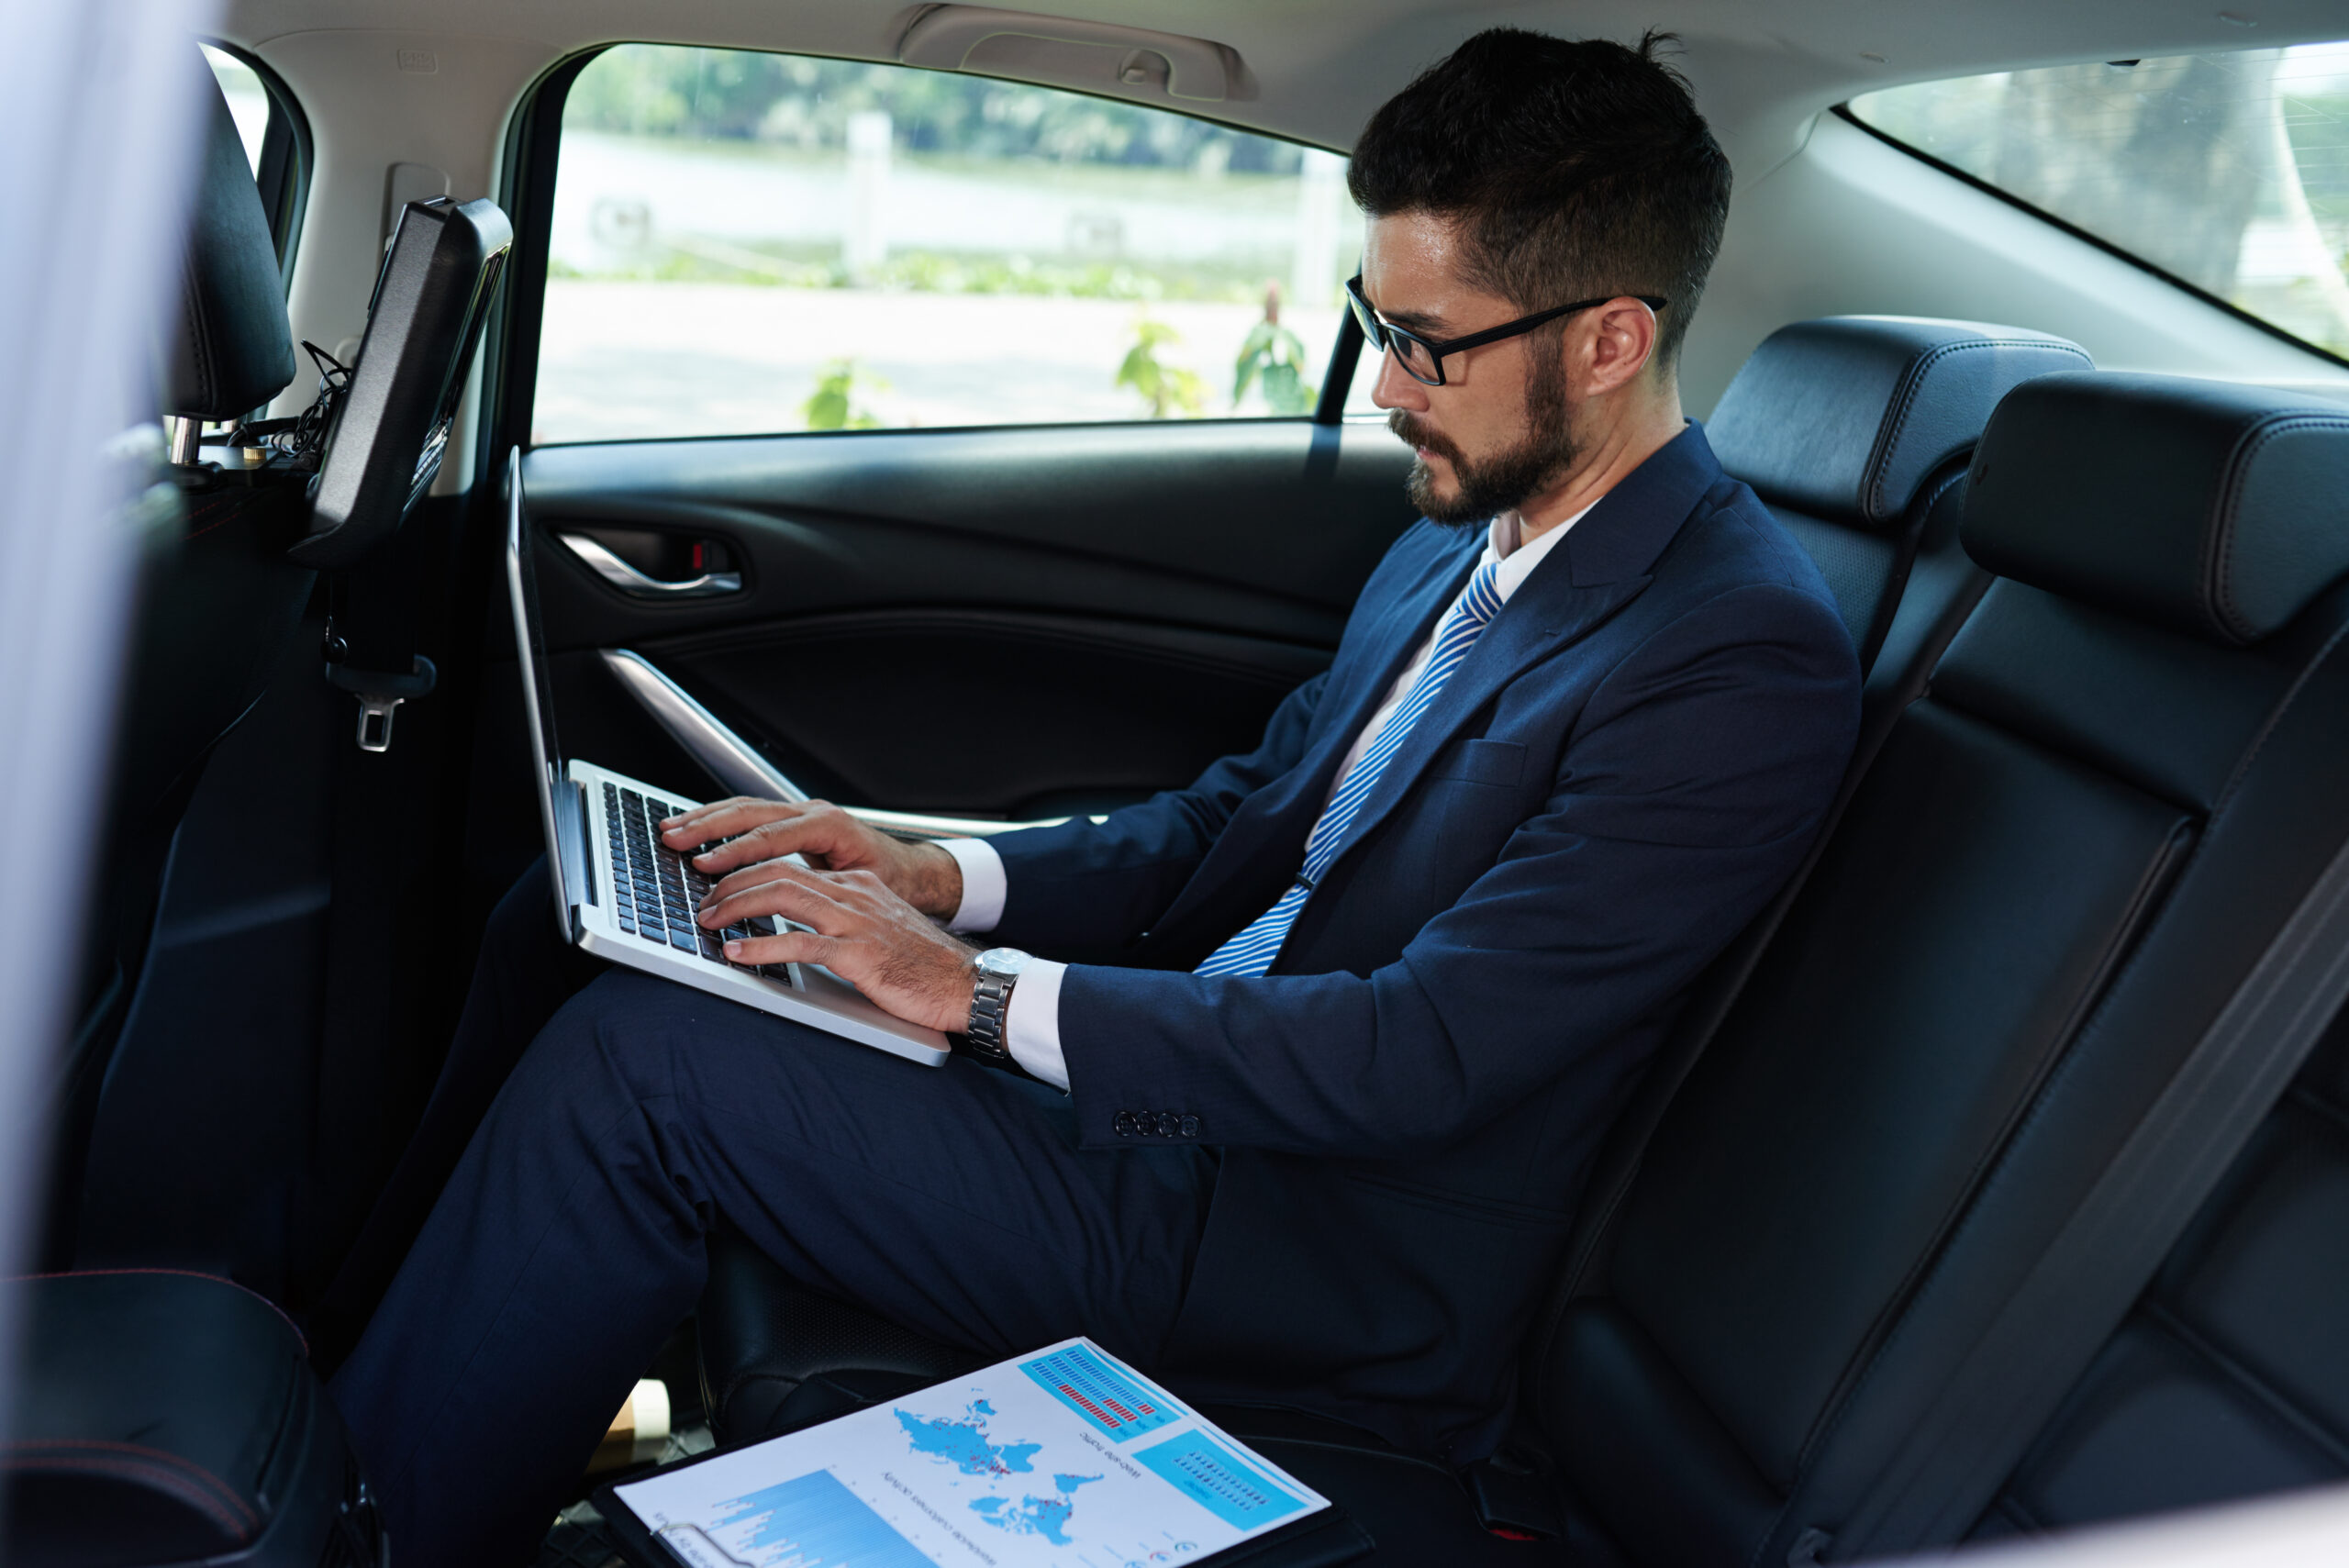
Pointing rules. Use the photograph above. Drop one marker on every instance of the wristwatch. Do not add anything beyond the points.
(995, 971)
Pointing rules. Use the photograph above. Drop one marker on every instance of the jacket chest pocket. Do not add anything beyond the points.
(1487, 762)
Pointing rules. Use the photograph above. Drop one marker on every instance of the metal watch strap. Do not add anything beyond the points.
(990, 1004)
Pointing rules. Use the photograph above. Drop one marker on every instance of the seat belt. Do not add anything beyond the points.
(1960, 1452)
(368, 1082)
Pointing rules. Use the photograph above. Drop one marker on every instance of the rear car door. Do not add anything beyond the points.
(956, 441)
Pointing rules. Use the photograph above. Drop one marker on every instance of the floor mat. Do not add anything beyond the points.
(580, 1538)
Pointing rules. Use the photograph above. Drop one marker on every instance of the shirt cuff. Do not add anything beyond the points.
(1031, 1029)
(984, 885)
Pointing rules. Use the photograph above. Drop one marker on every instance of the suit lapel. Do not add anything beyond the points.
(1594, 571)
(1271, 827)
(1521, 634)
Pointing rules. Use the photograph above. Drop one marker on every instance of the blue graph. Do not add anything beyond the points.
(811, 1522)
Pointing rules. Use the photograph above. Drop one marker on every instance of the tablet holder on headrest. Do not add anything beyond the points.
(384, 434)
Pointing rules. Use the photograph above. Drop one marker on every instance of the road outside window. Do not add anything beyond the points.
(746, 243)
(2228, 172)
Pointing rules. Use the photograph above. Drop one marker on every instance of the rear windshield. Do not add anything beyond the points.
(2227, 173)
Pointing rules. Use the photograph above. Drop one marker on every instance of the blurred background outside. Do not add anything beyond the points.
(248, 99)
(745, 243)
(2228, 170)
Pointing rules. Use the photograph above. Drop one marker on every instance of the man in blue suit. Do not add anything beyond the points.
(1316, 1135)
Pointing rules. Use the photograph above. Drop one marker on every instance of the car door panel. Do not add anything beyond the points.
(997, 623)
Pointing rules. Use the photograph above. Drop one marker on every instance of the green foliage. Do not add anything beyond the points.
(1275, 356)
(1167, 390)
(832, 406)
(2320, 132)
(663, 89)
(692, 259)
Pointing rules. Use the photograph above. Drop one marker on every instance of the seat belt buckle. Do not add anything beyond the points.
(1515, 1492)
(380, 694)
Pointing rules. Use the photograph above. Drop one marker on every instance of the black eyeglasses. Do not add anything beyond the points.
(1422, 359)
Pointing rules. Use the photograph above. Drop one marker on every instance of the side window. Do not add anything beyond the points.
(2228, 173)
(745, 243)
(277, 138)
(248, 99)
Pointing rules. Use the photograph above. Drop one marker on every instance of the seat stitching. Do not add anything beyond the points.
(191, 301)
(742, 1381)
(226, 1491)
(1872, 498)
(2271, 1400)
(2018, 1513)
(2334, 1118)
(2234, 785)
(105, 1466)
(181, 1273)
(2219, 573)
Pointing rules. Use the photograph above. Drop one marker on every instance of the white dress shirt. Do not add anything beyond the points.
(1033, 1028)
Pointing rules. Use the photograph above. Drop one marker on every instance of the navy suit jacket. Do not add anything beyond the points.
(1629, 764)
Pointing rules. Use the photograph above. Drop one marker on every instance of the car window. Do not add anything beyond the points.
(248, 100)
(2228, 173)
(745, 243)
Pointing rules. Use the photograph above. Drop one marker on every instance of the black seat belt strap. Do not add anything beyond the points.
(1957, 1455)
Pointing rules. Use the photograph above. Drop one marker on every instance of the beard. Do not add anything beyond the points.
(1491, 484)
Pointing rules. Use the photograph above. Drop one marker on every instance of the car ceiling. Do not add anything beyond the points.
(1319, 67)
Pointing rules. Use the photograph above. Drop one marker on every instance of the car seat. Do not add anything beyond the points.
(217, 600)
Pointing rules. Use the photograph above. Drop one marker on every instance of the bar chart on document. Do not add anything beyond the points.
(1062, 1459)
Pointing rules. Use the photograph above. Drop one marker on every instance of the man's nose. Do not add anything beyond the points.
(1396, 387)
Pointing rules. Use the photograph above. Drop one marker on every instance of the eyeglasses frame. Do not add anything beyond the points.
(1376, 330)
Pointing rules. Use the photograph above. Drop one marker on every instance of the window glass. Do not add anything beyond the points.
(2230, 172)
(248, 99)
(745, 243)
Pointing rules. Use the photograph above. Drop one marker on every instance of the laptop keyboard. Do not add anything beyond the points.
(655, 890)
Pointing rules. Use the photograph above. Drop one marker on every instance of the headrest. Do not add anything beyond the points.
(1847, 417)
(233, 350)
(2212, 509)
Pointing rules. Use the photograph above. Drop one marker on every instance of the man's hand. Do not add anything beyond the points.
(864, 932)
(829, 839)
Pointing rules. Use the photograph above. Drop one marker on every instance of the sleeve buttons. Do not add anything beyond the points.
(1155, 1123)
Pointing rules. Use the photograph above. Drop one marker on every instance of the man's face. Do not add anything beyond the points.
(1499, 431)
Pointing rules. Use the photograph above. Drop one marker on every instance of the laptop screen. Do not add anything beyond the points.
(558, 811)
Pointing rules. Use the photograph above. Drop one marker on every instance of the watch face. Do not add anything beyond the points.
(1002, 962)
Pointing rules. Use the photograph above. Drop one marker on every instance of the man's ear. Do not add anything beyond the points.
(1622, 343)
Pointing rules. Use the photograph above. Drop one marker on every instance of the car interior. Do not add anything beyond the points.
(1993, 1184)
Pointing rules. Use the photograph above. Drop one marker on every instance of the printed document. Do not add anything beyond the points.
(1066, 1458)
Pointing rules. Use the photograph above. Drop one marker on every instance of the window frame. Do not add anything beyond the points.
(288, 159)
(1844, 112)
(526, 190)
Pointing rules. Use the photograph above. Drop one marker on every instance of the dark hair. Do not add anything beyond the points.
(1571, 168)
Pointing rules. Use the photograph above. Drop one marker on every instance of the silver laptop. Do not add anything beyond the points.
(621, 894)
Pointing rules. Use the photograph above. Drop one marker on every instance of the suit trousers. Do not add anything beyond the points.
(569, 1242)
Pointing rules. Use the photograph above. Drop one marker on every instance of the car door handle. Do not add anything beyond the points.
(635, 584)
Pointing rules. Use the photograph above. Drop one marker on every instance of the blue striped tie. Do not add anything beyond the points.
(1253, 949)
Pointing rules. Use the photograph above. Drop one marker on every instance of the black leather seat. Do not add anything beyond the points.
(1854, 431)
(167, 1417)
(2127, 768)
(163, 1417)
(217, 600)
